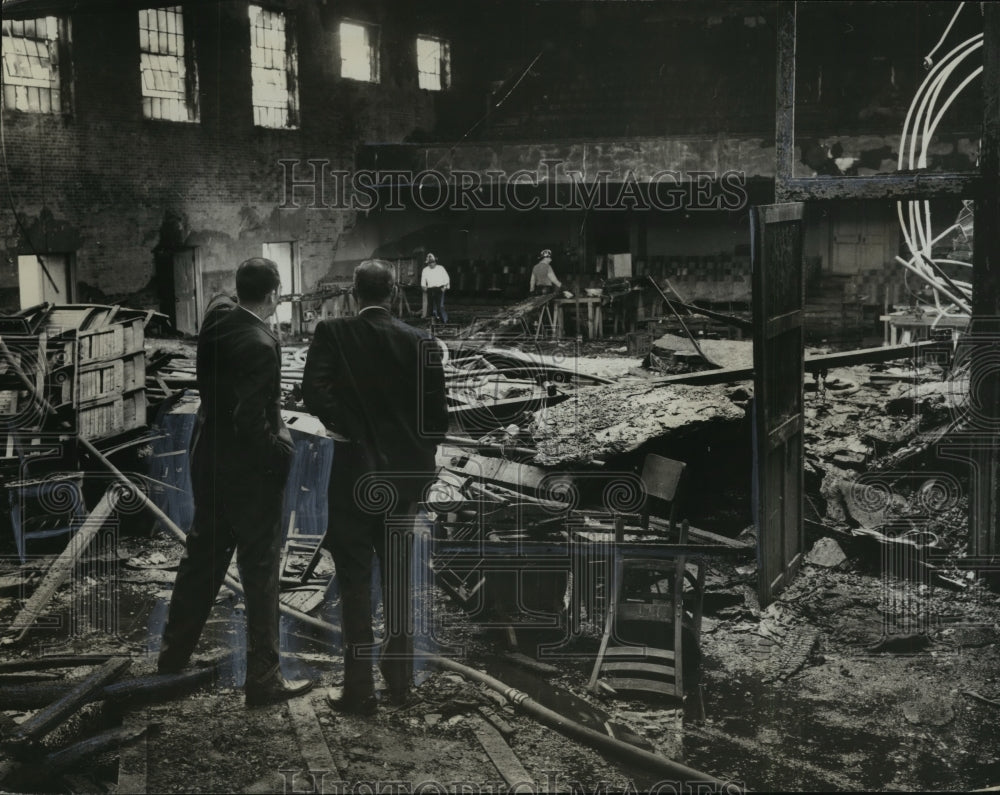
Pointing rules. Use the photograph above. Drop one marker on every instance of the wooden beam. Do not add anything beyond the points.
(87, 749)
(41, 722)
(813, 364)
(63, 565)
(133, 761)
(55, 661)
(784, 142)
(899, 185)
(507, 764)
(984, 328)
(316, 753)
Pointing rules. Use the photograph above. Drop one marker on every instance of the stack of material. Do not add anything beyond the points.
(87, 362)
(97, 367)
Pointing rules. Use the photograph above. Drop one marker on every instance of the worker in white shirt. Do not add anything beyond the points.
(434, 281)
(543, 278)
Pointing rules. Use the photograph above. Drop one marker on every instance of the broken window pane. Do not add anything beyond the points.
(166, 66)
(433, 63)
(358, 54)
(31, 65)
(272, 68)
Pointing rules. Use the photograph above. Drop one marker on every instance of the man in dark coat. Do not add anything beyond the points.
(378, 385)
(241, 454)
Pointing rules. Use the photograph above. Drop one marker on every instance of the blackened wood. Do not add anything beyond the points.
(25, 677)
(144, 688)
(778, 357)
(984, 329)
(60, 661)
(784, 101)
(63, 565)
(908, 185)
(157, 686)
(54, 714)
(32, 696)
(85, 750)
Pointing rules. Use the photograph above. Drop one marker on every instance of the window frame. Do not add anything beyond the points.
(63, 70)
(292, 109)
(444, 62)
(373, 35)
(190, 61)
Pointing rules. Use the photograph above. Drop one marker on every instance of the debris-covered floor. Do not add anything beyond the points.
(874, 670)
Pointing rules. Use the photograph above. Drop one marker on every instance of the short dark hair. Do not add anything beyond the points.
(373, 281)
(255, 278)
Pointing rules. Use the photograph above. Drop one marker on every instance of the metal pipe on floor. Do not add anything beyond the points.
(681, 774)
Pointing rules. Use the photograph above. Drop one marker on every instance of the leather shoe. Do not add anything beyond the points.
(344, 702)
(278, 689)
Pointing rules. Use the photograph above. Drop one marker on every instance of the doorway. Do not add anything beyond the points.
(187, 290)
(51, 283)
(285, 256)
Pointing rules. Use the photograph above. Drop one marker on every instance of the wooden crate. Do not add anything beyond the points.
(93, 381)
(111, 415)
(87, 347)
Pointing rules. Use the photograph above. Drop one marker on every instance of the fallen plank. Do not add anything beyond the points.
(86, 749)
(54, 661)
(511, 316)
(32, 696)
(63, 565)
(133, 761)
(41, 722)
(496, 721)
(507, 764)
(315, 752)
(882, 353)
(704, 536)
(813, 364)
(28, 676)
(157, 686)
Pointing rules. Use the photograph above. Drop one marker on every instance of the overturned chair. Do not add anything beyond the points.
(651, 599)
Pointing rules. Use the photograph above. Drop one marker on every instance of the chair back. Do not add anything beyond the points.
(662, 479)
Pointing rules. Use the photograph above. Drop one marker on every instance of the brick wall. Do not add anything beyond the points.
(109, 186)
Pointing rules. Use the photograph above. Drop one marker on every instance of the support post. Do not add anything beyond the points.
(984, 383)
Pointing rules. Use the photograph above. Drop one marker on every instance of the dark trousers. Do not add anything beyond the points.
(435, 299)
(217, 531)
(353, 537)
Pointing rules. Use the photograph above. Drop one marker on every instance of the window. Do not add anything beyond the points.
(433, 63)
(358, 52)
(285, 256)
(169, 76)
(272, 67)
(31, 65)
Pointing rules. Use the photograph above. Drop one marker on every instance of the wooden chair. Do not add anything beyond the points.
(623, 664)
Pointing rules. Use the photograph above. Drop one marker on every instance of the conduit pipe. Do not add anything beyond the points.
(683, 776)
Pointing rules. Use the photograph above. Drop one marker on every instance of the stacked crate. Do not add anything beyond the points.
(97, 366)
(22, 372)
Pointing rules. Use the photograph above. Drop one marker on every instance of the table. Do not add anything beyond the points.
(595, 321)
(905, 327)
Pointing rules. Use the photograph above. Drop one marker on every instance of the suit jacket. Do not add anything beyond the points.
(378, 382)
(240, 445)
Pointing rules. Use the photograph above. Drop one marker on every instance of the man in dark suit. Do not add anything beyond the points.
(378, 385)
(241, 453)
